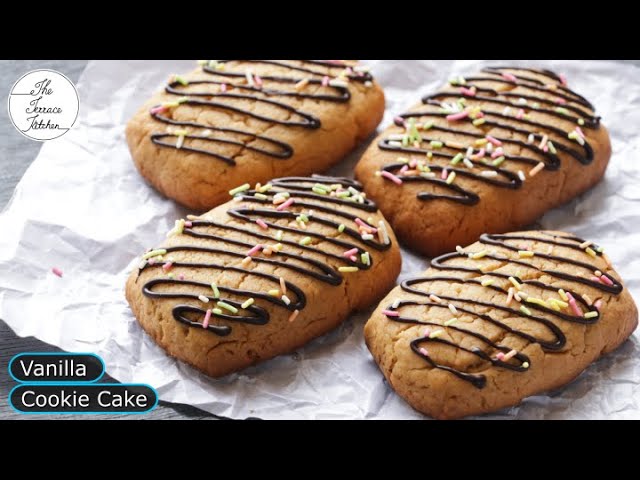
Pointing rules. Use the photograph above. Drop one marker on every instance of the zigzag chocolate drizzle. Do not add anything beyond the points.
(233, 87)
(311, 264)
(574, 108)
(553, 340)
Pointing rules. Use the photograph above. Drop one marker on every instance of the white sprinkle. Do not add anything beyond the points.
(338, 83)
(506, 111)
(459, 249)
(203, 299)
(585, 245)
(489, 174)
(367, 236)
(435, 298)
(250, 81)
(521, 175)
(395, 304)
(180, 142)
(453, 309)
(286, 300)
(531, 138)
(522, 101)
(385, 234)
(467, 163)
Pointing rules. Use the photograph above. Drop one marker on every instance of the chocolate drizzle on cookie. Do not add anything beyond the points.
(259, 234)
(531, 123)
(544, 316)
(232, 83)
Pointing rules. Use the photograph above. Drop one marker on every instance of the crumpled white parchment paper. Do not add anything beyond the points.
(82, 207)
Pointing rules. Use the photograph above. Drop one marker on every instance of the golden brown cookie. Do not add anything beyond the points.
(238, 121)
(487, 154)
(265, 273)
(510, 316)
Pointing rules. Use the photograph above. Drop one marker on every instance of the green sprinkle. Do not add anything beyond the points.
(216, 292)
(260, 196)
(216, 311)
(552, 147)
(341, 227)
(448, 323)
(154, 253)
(436, 334)
(405, 140)
(180, 80)
(525, 310)
(562, 110)
(305, 241)
(240, 189)
(344, 194)
(265, 188)
(479, 121)
(436, 144)
(248, 303)
(226, 306)
(599, 249)
(303, 217)
(319, 191)
(591, 315)
(364, 258)
(348, 269)
(498, 161)
(457, 159)
(427, 125)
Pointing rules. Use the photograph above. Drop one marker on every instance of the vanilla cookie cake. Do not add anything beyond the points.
(263, 274)
(235, 121)
(508, 317)
(489, 153)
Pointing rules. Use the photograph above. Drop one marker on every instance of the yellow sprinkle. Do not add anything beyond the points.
(305, 241)
(436, 334)
(591, 315)
(563, 295)
(448, 323)
(278, 247)
(451, 178)
(479, 121)
(559, 303)
(591, 252)
(554, 306)
(587, 299)
(247, 261)
(154, 253)
(515, 283)
(240, 189)
(478, 255)
(348, 269)
(525, 310)
(525, 365)
(481, 142)
(248, 303)
(265, 188)
(488, 282)
(274, 293)
(537, 301)
(525, 254)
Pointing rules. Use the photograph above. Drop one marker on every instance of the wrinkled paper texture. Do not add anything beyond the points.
(83, 207)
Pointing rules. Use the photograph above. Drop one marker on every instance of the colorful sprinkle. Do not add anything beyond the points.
(348, 269)
(537, 169)
(478, 255)
(487, 283)
(510, 355)
(248, 303)
(598, 304)
(207, 319)
(563, 295)
(509, 76)
(285, 205)
(365, 258)
(453, 309)
(203, 299)
(525, 310)
(435, 298)
(574, 305)
(216, 292)
(591, 315)
(604, 279)
(515, 283)
(153, 253)
(510, 295)
(246, 261)
(255, 250)
(341, 227)
(57, 272)
(240, 189)
(390, 313)
(262, 224)
(458, 116)
(451, 178)
(227, 307)
(293, 316)
(525, 254)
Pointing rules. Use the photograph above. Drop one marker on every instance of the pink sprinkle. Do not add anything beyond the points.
(325, 81)
(574, 306)
(285, 205)
(595, 279)
(152, 261)
(157, 110)
(392, 177)
(545, 149)
(349, 70)
(223, 87)
(580, 132)
(390, 313)
(458, 116)
(258, 80)
(493, 140)
(520, 114)
(188, 224)
(444, 174)
(350, 253)
(207, 318)
(424, 352)
(563, 79)
(426, 332)
(181, 276)
(254, 250)
(500, 356)
(353, 258)
(364, 225)
(480, 115)
(559, 100)
(335, 62)
(606, 280)
(56, 271)
(467, 91)
(399, 121)
(167, 266)
(413, 163)
(261, 224)
(404, 169)
(509, 76)
(498, 153)
(479, 155)
(598, 304)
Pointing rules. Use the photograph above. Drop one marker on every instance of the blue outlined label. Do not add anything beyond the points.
(71, 398)
(56, 368)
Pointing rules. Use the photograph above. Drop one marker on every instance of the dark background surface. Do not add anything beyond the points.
(16, 154)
